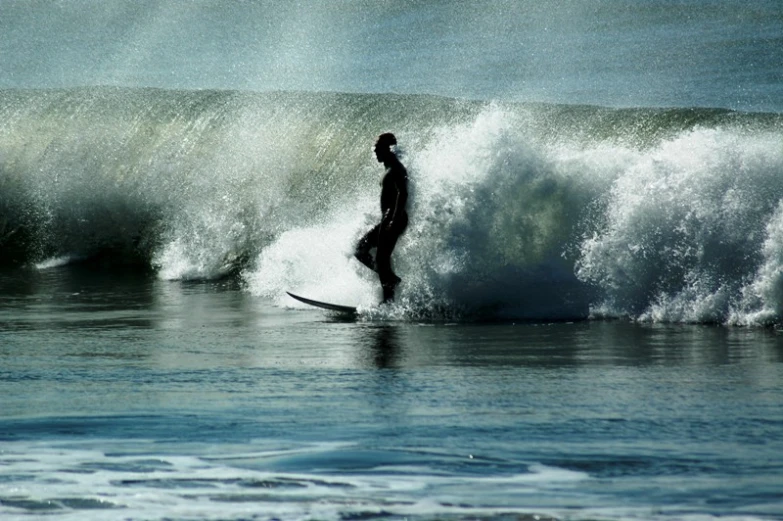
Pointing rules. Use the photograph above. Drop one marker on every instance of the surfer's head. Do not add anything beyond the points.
(383, 146)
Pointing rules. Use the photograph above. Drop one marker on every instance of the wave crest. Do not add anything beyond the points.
(517, 210)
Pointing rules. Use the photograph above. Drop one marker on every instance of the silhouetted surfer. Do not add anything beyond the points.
(394, 220)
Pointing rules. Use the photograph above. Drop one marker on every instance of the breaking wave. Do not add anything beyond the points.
(518, 211)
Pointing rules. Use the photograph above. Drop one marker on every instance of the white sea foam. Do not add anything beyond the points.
(120, 479)
(316, 262)
(687, 226)
(56, 262)
(516, 211)
(72, 480)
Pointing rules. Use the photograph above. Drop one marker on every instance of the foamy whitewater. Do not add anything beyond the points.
(517, 210)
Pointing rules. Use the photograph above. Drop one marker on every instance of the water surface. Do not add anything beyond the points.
(128, 397)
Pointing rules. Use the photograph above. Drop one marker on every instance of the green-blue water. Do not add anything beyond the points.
(588, 323)
(128, 397)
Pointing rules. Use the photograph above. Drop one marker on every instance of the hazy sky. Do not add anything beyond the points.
(614, 52)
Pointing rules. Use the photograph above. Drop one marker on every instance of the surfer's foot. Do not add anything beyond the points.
(366, 259)
(390, 288)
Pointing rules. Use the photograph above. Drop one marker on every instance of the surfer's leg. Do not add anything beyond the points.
(366, 243)
(388, 291)
(386, 244)
(389, 281)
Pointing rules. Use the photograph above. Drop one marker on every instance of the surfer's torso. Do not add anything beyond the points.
(394, 189)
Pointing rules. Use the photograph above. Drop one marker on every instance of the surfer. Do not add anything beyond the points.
(394, 220)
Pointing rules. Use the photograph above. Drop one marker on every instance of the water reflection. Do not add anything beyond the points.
(75, 297)
(217, 323)
(383, 347)
(613, 343)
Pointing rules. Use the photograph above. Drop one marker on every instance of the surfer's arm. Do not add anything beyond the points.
(402, 199)
(399, 202)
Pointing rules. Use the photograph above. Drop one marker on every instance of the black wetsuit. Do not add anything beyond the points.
(383, 236)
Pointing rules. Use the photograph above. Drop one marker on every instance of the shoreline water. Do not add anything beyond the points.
(139, 398)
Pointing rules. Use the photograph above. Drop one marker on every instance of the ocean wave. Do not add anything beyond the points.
(523, 211)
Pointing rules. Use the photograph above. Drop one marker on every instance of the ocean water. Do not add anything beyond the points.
(140, 398)
(588, 324)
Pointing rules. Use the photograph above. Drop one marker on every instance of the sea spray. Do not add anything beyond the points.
(490, 222)
(527, 211)
(761, 300)
(685, 224)
(317, 261)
